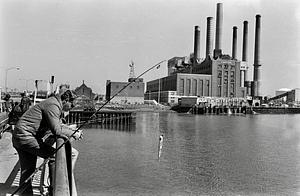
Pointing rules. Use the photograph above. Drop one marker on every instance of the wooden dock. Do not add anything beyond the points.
(211, 110)
(101, 117)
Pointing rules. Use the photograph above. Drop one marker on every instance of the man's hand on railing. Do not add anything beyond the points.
(78, 135)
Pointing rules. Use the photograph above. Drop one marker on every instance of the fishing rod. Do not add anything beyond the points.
(81, 125)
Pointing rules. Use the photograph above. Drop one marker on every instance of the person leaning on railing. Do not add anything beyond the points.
(32, 127)
(25, 102)
(8, 105)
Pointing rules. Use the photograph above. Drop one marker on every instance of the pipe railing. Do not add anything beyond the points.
(62, 182)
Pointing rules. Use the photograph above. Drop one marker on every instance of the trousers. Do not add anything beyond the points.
(28, 159)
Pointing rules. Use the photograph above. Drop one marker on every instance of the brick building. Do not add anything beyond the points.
(84, 90)
(132, 94)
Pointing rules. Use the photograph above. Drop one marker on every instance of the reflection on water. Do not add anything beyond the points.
(130, 127)
(201, 155)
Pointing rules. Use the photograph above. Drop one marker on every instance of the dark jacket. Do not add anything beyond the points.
(15, 114)
(25, 103)
(37, 120)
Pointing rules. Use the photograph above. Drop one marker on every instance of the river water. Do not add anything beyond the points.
(201, 155)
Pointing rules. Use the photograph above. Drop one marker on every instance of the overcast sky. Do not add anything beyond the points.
(95, 40)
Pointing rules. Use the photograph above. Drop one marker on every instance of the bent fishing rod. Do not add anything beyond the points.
(81, 125)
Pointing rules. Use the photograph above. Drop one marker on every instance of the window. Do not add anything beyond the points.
(232, 76)
(201, 87)
(232, 88)
(181, 87)
(194, 87)
(188, 86)
(219, 91)
(219, 74)
(207, 86)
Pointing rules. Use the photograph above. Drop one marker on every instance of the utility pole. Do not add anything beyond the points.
(158, 98)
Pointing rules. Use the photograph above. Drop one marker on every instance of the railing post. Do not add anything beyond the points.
(61, 181)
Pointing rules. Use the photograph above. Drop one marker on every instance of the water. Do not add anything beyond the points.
(201, 155)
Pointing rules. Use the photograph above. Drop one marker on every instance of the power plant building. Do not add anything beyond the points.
(218, 76)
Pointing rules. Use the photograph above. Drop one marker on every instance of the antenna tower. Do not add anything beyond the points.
(131, 72)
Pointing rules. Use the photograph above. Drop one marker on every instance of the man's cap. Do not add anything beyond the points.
(66, 93)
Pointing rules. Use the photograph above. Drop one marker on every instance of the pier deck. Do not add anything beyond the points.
(10, 169)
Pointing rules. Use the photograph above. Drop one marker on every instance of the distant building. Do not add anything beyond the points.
(84, 90)
(281, 91)
(294, 96)
(211, 78)
(217, 75)
(99, 97)
(133, 94)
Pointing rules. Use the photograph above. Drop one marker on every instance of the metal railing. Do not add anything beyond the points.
(63, 181)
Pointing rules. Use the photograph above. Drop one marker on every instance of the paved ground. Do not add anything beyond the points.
(10, 169)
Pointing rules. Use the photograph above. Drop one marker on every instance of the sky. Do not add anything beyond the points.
(95, 40)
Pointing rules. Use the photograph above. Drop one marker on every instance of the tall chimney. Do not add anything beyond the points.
(257, 65)
(209, 39)
(197, 44)
(245, 42)
(234, 42)
(245, 48)
(219, 23)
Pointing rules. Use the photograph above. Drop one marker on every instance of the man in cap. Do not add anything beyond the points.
(35, 123)
(25, 102)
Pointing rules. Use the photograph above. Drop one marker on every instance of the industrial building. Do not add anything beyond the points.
(132, 94)
(287, 96)
(217, 76)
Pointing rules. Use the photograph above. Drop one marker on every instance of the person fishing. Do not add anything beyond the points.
(25, 102)
(28, 137)
(8, 107)
(14, 115)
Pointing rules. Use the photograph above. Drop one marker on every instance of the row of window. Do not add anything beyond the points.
(226, 66)
(225, 90)
(194, 87)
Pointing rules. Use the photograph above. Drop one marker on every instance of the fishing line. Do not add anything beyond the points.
(81, 125)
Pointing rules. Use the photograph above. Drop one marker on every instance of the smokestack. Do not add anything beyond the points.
(234, 42)
(245, 42)
(219, 23)
(197, 44)
(245, 49)
(257, 65)
(209, 40)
